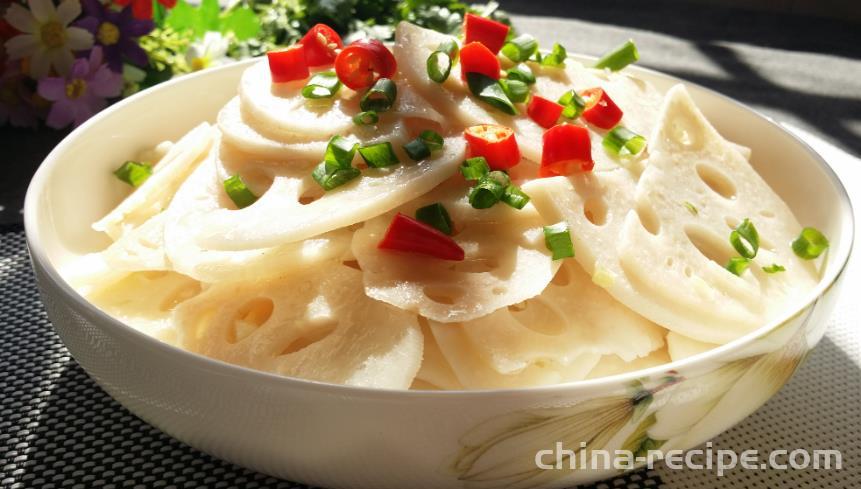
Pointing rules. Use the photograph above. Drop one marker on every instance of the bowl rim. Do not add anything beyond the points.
(41, 260)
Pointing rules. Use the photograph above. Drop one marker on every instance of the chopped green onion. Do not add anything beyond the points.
(773, 268)
(516, 90)
(439, 66)
(622, 142)
(737, 265)
(322, 85)
(380, 97)
(474, 168)
(238, 192)
(620, 57)
(133, 173)
(365, 118)
(809, 244)
(449, 47)
(435, 215)
(432, 139)
(691, 208)
(521, 72)
(573, 103)
(489, 190)
(556, 58)
(490, 92)
(330, 176)
(379, 155)
(558, 240)
(417, 149)
(520, 48)
(515, 197)
(340, 151)
(745, 239)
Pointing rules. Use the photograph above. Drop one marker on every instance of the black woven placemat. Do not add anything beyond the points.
(59, 429)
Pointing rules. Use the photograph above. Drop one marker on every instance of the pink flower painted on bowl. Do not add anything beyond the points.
(82, 93)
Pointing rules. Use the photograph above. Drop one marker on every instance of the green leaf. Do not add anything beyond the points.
(242, 22)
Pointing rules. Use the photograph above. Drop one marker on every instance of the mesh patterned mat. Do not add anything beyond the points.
(59, 429)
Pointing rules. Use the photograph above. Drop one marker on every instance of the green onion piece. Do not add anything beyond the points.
(809, 244)
(516, 90)
(573, 103)
(745, 239)
(556, 58)
(773, 268)
(449, 47)
(737, 265)
(417, 149)
(133, 173)
(432, 139)
(380, 97)
(691, 208)
(439, 66)
(490, 92)
(330, 176)
(322, 85)
(474, 168)
(558, 240)
(515, 197)
(436, 216)
(620, 57)
(521, 72)
(340, 151)
(366, 118)
(238, 192)
(379, 155)
(520, 48)
(489, 190)
(622, 142)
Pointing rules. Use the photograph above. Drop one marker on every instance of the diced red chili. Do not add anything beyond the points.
(600, 109)
(407, 234)
(476, 58)
(486, 31)
(544, 112)
(567, 149)
(364, 62)
(321, 45)
(288, 64)
(496, 143)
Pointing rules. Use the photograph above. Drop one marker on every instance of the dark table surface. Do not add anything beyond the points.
(58, 429)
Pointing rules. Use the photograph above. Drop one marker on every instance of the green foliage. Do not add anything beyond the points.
(240, 21)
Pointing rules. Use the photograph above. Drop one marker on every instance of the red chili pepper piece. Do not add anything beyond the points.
(407, 234)
(567, 150)
(544, 112)
(488, 32)
(288, 64)
(600, 109)
(496, 143)
(364, 62)
(476, 58)
(321, 44)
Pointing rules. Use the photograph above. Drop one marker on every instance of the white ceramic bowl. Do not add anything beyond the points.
(339, 437)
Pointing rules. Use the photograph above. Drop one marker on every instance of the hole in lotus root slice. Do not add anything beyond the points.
(443, 294)
(562, 277)
(476, 265)
(707, 243)
(181, 294)
(717, 181)
(249, 317)
(595, 210)
(354, 264)
(648, 218)
(540, 318)
(315, 334)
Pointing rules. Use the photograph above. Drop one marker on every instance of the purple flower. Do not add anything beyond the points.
(82, 92)
(116, 32)
(17, 99)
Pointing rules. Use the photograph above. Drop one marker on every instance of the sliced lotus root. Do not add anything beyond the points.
(506, 260)
(554, 335)
(316, 326)
(155, 193)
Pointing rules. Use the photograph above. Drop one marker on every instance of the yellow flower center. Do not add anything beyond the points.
(108, 34)
(53, 34)
(76, 88)
(198, 64)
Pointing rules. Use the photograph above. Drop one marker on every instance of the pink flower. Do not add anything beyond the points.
(82, 92)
